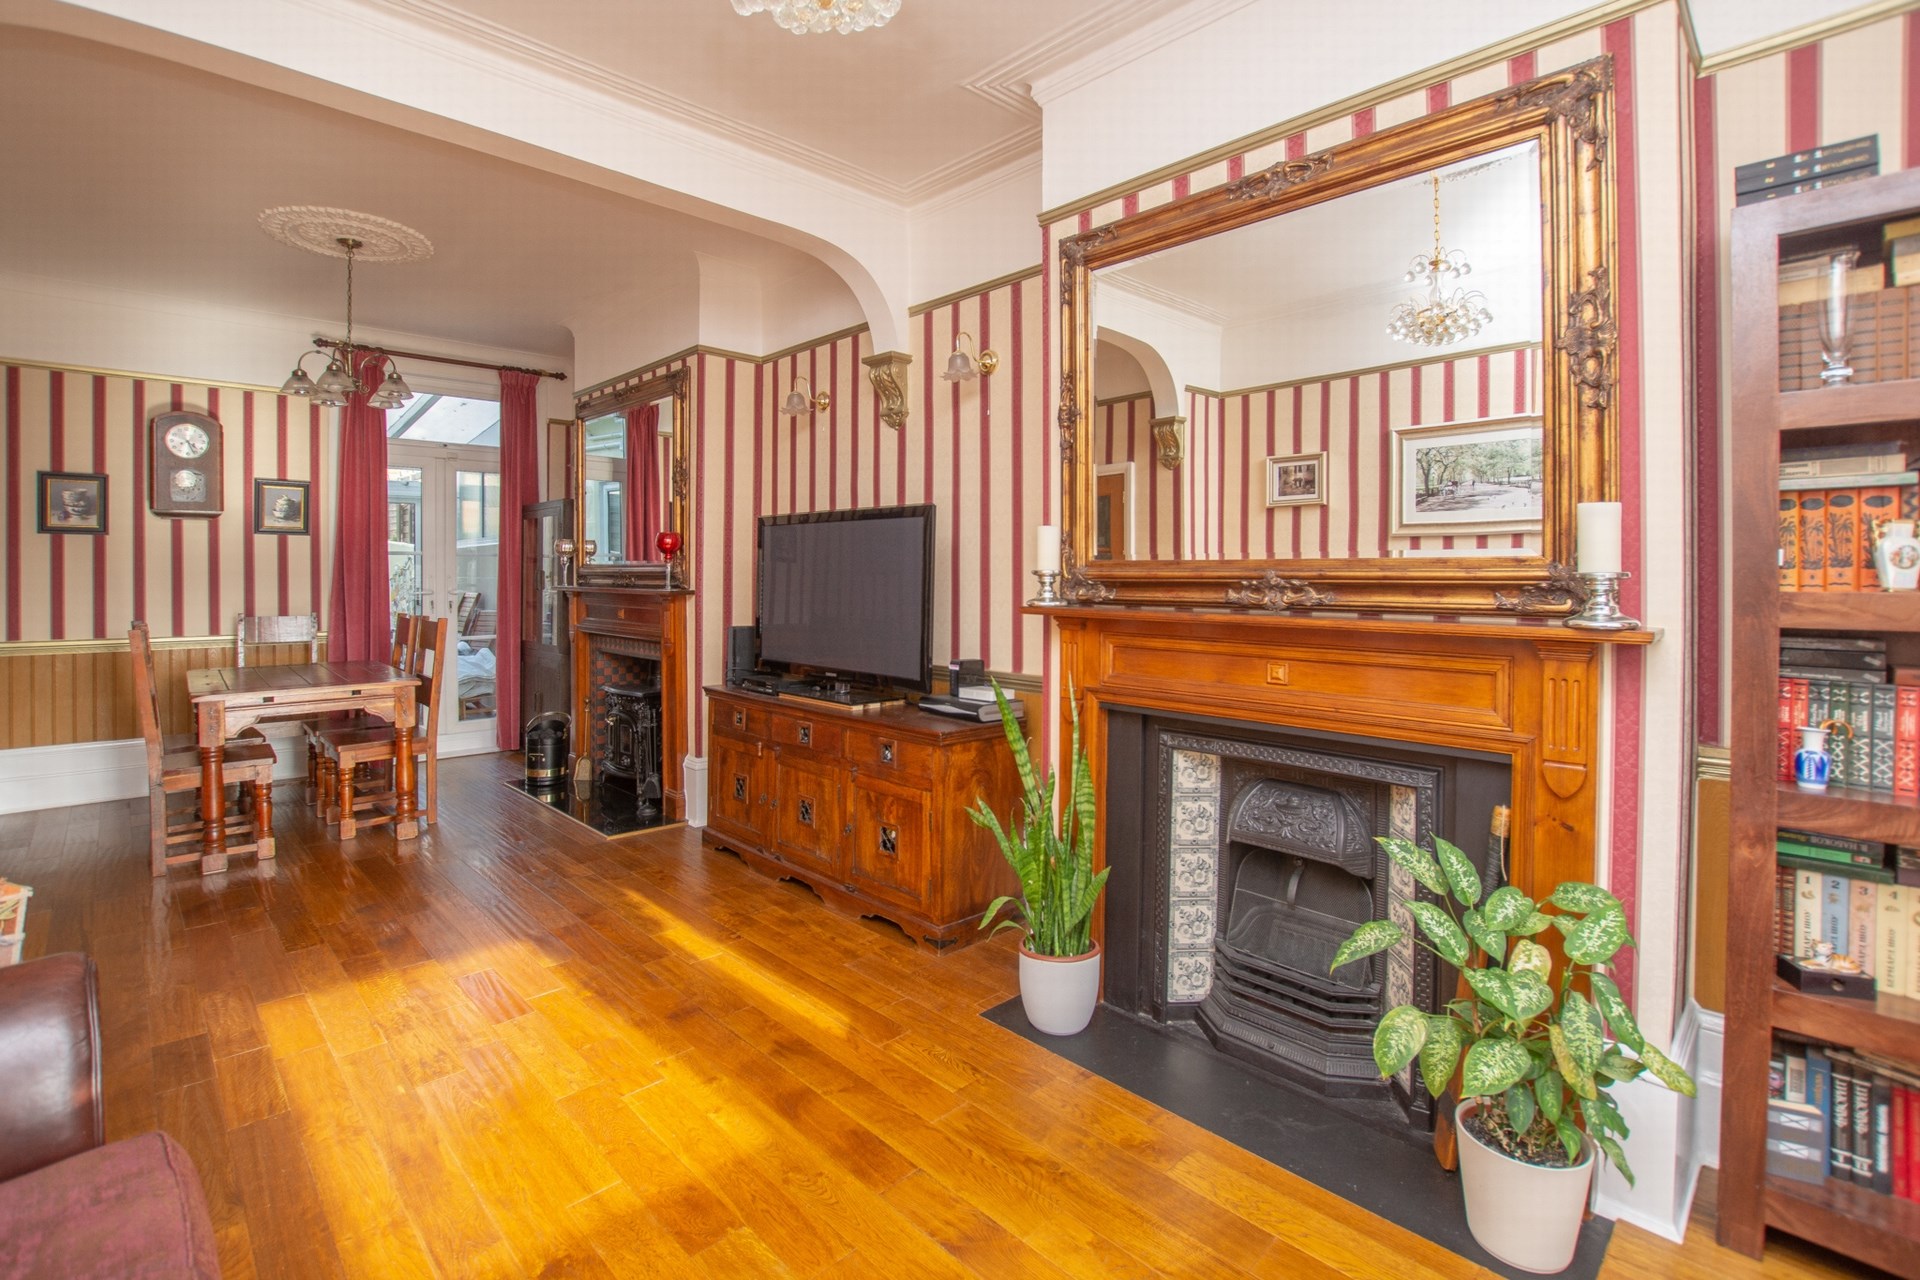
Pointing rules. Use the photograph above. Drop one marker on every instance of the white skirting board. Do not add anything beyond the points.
(1673, 1136)
(90, 772)
(694, 773)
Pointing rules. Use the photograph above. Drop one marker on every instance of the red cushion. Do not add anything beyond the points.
(130, 1210)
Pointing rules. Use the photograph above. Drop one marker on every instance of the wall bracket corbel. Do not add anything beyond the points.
(887, 371)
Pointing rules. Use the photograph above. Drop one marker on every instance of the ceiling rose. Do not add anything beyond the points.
(817, 17)
(321, 230)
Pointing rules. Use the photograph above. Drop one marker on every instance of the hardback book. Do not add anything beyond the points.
(1838, 857)
(1873, 851)
(1892, 953)
(1849, 481)
(1806, 910)
(1913, 1143)
(1846, 467)
(1882, 700)
(1837, 179)
(1836, 899)
(1823, 673)
(1819, 1079)
(1797, 1141)
(1863, 1127)
(1860, 748)
(1880, 1125)
(1807, 163)
(1813, 540)
(1843, 539)
(1863, 916)
(1878, 503)
(1826, 700)
(1777, 1072)
(1861, 644)
(1789, 542)
(1840, 1124)
(1840, 661)
(1906, 740)
(1783, 878)
(1822, 868)
(1796, 1055)
(1906, 867)
(1902, 1181)
(1817, 264)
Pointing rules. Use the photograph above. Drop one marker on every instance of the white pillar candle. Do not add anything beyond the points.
(1597, 537)
(1046, 548)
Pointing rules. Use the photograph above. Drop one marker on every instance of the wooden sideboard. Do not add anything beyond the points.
(866, 808)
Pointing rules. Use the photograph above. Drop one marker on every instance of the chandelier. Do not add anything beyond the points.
(817, 17)
(1439, 318)
(342, 233)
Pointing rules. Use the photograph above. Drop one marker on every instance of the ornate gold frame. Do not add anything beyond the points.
(622, 393)
(1570, 115)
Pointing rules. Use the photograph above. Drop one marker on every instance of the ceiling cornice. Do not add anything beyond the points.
(1009, 81)
(1097, 58)
(1809, 33)
(448, 20)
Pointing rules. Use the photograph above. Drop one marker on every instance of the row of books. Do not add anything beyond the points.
(1833, 499)
(1861, 912)
(1879, 748)
(1841, 1114)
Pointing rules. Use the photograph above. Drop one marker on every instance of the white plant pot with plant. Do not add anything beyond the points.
(1533, 1052)
(1050, 847)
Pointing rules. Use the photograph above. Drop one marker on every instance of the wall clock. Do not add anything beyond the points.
(186, 471)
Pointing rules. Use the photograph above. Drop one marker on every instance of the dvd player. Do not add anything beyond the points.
(966, 709)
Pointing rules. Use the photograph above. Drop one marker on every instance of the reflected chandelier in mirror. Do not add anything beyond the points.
(1248, 325)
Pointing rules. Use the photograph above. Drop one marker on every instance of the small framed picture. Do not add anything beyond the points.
(73, 502)
(1297, 479)
(280, 506)
(1469, 477)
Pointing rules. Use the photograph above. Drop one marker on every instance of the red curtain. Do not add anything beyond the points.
(642, 481)
(519, 486)
(359, 616)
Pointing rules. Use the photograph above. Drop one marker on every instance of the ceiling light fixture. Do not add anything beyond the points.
(799, 404)
(1439, 319)
(817, 17)
(342, 233)
(961, 365)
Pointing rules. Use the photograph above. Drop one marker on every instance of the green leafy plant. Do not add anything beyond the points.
(1537, 1051)
(1050, 847)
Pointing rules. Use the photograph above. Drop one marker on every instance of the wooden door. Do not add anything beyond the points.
(806, 825)
(737, 792)
(546, 637)
(890, 850)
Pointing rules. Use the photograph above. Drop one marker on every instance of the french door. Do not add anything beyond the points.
(443, 559)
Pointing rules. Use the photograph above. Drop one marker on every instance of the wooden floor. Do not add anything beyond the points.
(514, 1048)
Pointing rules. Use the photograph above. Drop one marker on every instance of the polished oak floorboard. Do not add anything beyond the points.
(512, 1048)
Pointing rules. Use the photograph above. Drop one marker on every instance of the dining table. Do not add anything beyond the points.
(229, 699)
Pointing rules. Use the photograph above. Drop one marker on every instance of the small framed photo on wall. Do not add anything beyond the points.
(1297, 479)
(1472, 477)
(72, 502)
(280, 506)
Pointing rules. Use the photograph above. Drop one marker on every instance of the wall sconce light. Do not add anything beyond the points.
(799, 404)
(961, 364)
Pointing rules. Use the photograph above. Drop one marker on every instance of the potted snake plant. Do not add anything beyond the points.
(1048, 841)
(1536, 1054)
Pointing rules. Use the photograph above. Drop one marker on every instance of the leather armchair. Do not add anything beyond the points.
(72, 1205)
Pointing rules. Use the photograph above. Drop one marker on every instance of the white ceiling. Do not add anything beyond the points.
(128, 172)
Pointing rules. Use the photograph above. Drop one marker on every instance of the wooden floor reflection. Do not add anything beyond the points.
(512, 1048)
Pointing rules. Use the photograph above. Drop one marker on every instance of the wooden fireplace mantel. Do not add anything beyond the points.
(649, 622)
(1529, 692)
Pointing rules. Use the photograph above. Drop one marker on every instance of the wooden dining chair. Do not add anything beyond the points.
(275, 628)
(401, 655)
(349, 756)
(177, 772)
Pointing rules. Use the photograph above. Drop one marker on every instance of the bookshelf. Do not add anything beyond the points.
(1875, 1229)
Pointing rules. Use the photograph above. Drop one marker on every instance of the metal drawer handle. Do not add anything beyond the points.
(739, 719)
(890, 840)
(886, 753)
(806, 735)
(806, 811)
(740, 787)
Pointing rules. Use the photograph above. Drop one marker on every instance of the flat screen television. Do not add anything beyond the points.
(848, 595)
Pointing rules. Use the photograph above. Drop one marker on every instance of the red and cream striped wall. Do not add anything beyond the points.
(183, 576)
(973, 449)
(1651, 69)
(1214, 505)
(1850, 84)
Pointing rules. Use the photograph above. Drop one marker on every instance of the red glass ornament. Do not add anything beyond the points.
(668, 542)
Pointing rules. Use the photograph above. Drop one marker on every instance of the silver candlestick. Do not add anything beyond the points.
(1602, 609)
(1049, 588)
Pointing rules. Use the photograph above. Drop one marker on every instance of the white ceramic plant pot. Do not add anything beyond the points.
(1058, 992)
(1523, 1214)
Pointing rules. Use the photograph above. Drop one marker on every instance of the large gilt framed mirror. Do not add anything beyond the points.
(628, 465)
(1232, 354)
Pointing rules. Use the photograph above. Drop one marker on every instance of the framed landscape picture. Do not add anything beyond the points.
(72, 502)
(1296, 479)
(280, 506)
(1468, 477)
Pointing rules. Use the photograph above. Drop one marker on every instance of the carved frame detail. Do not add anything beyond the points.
(1569, 115)
(628, 391)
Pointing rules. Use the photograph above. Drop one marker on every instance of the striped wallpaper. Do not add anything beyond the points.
(1215, 504)
(184, 576)
(1655, 29)
(1865, 81)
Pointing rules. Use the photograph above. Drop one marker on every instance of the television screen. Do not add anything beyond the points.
(849, 593)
